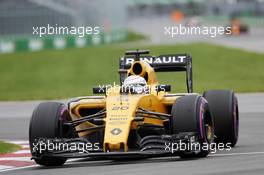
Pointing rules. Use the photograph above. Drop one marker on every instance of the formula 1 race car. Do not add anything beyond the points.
(237, 27)
(136, 119)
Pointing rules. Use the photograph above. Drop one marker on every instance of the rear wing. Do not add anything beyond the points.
(162, 63)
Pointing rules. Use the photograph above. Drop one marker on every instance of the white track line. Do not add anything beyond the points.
(25, 146)
(236, 154)
(16, 158)
(72, 162)
(5, 167)
(10, 168)
(18, 142)
(18, 168)
(22, 152)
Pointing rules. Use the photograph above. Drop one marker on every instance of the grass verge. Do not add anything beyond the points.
(132, 36)
(8, 147)
(67, 73)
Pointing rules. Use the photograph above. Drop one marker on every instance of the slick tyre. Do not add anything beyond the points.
(191, 114)
(224, 108)
(47, 122)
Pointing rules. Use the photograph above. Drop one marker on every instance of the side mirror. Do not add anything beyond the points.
(163, 87)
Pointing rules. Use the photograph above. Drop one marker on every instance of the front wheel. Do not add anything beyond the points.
(47, 122)
(191, 114)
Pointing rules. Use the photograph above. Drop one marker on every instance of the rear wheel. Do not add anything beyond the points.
(224, 108)
(47, 122)
(191, 114)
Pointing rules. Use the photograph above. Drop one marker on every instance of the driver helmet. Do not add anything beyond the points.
(136, 84)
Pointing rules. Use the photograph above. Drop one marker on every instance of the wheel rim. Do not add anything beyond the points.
(209, 132)
(206, 123)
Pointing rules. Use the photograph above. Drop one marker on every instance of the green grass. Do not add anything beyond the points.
(8, 147)
(73, 72)
(132, 36)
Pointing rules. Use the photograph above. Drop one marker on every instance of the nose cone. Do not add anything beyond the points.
(120, 114)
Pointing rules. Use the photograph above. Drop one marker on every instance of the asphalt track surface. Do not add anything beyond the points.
(246, 158)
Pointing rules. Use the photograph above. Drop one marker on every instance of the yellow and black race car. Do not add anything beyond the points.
(137, 119)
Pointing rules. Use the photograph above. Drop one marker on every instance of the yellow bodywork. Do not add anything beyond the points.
(121, 109)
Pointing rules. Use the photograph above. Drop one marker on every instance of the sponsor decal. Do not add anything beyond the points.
(116, 131)
(117, 123)
(120, 108)
(118, 118)
(159, 60)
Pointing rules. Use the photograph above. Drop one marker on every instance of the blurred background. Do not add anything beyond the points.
(34, 69)
(74, 63)
(115, 18)
(246, 17)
